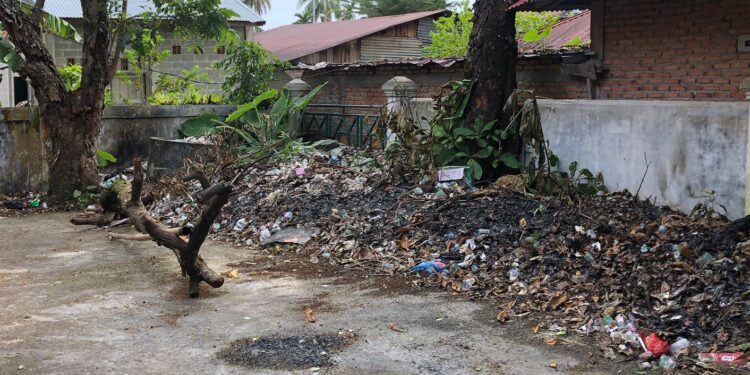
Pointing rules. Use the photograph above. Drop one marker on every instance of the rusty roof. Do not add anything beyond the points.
(294, 41)
(578, 26)
(538, 5)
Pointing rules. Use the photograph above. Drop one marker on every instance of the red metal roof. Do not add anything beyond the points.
(293, 41)
(578, 26)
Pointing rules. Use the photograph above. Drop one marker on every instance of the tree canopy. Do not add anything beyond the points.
(451, 37)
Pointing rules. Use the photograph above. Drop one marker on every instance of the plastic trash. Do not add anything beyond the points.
(14, 204)
(288, 215)
(299, 171)
(240, 225)
(298, 236)
(723, 358)
(513, 274)
(264, 234)
(35, 203)
(430, 267)
(662, 229)
(645, 248)
(667, 362)
(440, 194)
(656, 345)
(482, 231)
(417, 191)
(706, 258)
(678, 346)
(217, 226)
(468, 283)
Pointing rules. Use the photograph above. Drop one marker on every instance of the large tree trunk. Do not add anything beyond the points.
(492, 56)
(73, 133)
(73, 118)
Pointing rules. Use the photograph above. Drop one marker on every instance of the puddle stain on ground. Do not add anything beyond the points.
(291, 352)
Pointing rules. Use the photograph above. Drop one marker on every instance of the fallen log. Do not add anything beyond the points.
(191, 263)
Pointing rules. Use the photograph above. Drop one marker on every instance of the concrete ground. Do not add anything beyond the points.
(72, 302)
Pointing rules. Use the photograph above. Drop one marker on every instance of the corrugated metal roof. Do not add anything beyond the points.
(578, 26)
(537, 5)
(562, 32)
(72, 9)
(294, 41)
(445, 63)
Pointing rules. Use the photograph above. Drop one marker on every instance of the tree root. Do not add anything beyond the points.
(192, 264)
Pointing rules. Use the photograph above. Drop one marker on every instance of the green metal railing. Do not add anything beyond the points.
(353, 125)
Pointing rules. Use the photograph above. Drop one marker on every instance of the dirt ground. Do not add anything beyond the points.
(73, 302)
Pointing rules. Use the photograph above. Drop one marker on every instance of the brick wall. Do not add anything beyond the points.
(361, 85)
(675, 49)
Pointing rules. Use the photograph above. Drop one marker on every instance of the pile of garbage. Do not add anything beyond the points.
(16, 204)
(656, 284)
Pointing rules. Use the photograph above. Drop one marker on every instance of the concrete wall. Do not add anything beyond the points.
(692, 147)
(125, 133)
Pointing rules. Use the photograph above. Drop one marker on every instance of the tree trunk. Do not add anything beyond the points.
(73, 134)
(492, 56)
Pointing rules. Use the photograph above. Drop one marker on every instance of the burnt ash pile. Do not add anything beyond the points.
(581, 265)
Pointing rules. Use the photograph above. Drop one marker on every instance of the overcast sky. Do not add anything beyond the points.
(281, 13)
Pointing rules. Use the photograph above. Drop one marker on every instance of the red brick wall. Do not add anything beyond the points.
(675, 49)
(361, 86)
(544, 77)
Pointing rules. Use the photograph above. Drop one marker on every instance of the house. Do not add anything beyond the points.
(14, 89)
(544, 65)
(350, 41)
(667, 49)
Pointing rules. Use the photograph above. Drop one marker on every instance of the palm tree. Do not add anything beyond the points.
(321, 9)
(260, 6)
(304, 17)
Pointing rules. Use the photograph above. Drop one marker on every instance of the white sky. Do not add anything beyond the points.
(281, 13)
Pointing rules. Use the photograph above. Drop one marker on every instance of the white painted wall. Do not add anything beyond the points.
(692, 146)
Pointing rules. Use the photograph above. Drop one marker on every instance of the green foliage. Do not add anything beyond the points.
(577, 42)
(104, 157)
(180, 90)
(527, 22)
(454, 143)
(376, 8)
(256, 128)
(86, 197)
(451, 37)
(144, 54)
(71, 76)
(248, 68)
(200, 19)
(200, 126)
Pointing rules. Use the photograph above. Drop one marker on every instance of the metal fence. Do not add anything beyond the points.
(353, 125)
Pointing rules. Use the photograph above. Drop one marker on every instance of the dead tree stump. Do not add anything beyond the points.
(213, 198)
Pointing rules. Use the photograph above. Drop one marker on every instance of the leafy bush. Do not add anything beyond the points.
(71, 76)
(181, 90)
(454, 142)
(248, 68)
(256, 128)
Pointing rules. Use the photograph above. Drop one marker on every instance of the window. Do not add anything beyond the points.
(124, 64)
(176, 50)
(221, 50)
(71, 61)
